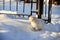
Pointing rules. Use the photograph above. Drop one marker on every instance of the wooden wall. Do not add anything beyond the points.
(53, 1)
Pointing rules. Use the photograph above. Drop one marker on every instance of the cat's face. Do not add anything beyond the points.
(31, 18)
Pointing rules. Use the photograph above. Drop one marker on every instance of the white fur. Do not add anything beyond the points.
(36, 23)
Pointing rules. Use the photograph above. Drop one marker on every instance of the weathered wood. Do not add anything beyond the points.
(49, 11)
(27, 1)
(40, 8)
(53, 1)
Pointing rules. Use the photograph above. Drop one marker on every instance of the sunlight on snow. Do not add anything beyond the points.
(54, 34)
(2, 15)
(49, 34)
(8, 0)
(45, 35)
(55, 16)
(21, 29)
(8, 12)
(2, 31)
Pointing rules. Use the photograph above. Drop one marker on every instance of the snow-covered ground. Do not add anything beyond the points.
(19, 28)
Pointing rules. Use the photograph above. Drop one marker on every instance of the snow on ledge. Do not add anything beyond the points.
(8, 12)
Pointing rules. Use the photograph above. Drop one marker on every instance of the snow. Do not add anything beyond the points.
(8, 12)
(20, 29)
(12, 28)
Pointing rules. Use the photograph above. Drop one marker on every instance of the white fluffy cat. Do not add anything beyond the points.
(36, 23)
